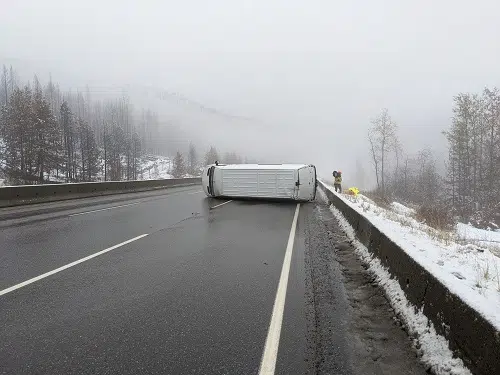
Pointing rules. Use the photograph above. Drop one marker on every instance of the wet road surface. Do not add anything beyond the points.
(193, 292)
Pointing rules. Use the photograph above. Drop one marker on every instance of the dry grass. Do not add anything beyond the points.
(436, 216)
(406, 221)
(446, 236)
(487, 275)
(436, 221)
(379, 199)
(442, 228)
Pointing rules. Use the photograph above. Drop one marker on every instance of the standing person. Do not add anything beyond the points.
(338, 182)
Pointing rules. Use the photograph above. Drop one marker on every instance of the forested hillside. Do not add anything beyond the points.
(48, 135)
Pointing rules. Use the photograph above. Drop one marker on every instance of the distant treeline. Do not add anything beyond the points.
(47, 134)
(470, 188)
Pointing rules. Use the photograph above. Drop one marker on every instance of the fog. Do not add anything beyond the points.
(288, 80)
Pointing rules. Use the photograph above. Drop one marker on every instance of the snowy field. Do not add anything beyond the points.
(465, 260)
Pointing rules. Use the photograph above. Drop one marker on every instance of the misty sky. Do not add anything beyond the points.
(310, 73)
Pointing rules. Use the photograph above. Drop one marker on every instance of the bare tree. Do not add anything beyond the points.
(382, 137)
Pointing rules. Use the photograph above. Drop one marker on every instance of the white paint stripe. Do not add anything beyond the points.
(47, 274)
(130, 204)
(268, 362)
(196, 192)
(105, 209)
(222, 204)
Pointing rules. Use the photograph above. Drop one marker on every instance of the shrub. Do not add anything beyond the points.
(381, 200)
(436, 216)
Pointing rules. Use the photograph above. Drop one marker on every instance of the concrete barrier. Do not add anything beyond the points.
(470, 335)
(29, 194)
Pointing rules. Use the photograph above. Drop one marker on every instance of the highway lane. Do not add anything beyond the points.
(38, 238)
(194, 296)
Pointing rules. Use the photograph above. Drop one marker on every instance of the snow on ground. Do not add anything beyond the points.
(151, 167)
(482, 237)
(401, 209)
(467, 268)
(155, 167)
(434, 349)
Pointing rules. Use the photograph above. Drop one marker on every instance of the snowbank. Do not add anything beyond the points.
(469, 271)
(434, 348)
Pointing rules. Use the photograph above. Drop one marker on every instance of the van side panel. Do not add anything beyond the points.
(296, 182)
(255, 183)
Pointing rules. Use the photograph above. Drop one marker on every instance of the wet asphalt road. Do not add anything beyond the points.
(194, 296)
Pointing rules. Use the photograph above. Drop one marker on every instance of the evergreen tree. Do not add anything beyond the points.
(16, 132)
(193, 161)
(90, 155)
(46, 135)
(68, 137)
(136, 155)
(179, 169)
(211, 156)
(232, 158)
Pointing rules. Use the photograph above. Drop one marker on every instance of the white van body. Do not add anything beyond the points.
(265, 181)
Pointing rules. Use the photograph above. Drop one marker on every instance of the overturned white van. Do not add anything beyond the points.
(263, 181)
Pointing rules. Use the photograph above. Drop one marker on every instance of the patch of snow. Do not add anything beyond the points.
(479, 266)
(155, 167)
(402, 209)
(433, 348)
(468, 232)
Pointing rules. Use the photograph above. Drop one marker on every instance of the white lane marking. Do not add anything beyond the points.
(105, 209)
(125, 205)
(222, 204)
(47, 274)
(268, 362)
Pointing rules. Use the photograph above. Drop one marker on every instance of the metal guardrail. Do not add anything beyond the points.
(28, 194)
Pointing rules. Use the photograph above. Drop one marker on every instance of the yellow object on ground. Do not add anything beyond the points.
(353, 191)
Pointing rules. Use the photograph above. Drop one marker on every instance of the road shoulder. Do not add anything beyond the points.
(375, 340)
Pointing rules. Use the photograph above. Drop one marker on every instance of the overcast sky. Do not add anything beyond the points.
(313, 72)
